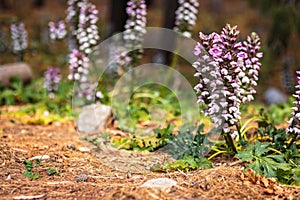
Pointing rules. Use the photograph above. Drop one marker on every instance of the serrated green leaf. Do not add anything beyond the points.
(279, 158)
(260, 148)
(203, 163)
(245, 156)
(268, 167)
(255, 166)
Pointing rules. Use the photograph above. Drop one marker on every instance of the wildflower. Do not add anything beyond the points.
(186, 16)
(57, 31)
(79, 65)
(294, 122)
(135, 27)
(228, 75)
(73, 10)
(87, 32)
(79, 71)
(83, 17)
(251, 67)
(19, 37)
(52, 79)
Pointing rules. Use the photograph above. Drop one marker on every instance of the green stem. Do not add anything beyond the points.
(173, 64)
(230, 143)
(252, 119)
(292, 141)
(275, 150)
(242, 138)
(239, 131)
(215, 154)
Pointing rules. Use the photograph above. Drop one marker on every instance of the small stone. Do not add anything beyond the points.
(82, 178)
(164, 184)
(22, 70)
(84, 149)
(275, 96)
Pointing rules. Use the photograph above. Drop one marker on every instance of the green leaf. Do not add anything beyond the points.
(31, 175)
(278, 158)
(53, 171)
(28, 165)
(290, 177)
(260, 148)
(203, 163)
(245, 156)
(38, 162)
(255, 166)
(268, 167)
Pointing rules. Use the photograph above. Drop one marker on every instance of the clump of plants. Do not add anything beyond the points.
(32, 169)
(228, 71)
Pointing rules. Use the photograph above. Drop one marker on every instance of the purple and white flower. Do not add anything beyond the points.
(57, 30)
(79, 72)
(19, 37)
(79, 66)
(294, 122)
(227, 75)
(52, 79)
(251, 66)
(87, 33)
(135, 27)
(83, 17)
(186, 16)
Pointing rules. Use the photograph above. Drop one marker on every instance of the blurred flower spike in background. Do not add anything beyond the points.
(57, 31)
(186, 16)
(19, 39)
(52, 79)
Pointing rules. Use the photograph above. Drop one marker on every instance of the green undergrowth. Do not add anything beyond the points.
(34, 104)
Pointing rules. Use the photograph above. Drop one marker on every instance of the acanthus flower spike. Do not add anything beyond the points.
(227, 74)
(294, 122)
(186, 16)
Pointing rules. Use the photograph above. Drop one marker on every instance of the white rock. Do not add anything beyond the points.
(93, 118)
(160, 183)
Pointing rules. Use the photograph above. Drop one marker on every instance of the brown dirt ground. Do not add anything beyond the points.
(106, 178)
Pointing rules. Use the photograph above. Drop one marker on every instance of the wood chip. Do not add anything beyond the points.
(42, 157)
(59, 182)
(29, 197)
(265, 181)
(20, 150)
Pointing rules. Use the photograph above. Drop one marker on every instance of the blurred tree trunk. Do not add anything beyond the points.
(164, 57)
(4, 5)
(118, 16)
(38, 3)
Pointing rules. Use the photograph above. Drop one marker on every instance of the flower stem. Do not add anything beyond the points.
(230, 143)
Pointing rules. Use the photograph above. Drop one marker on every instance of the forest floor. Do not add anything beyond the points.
(113, 174)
